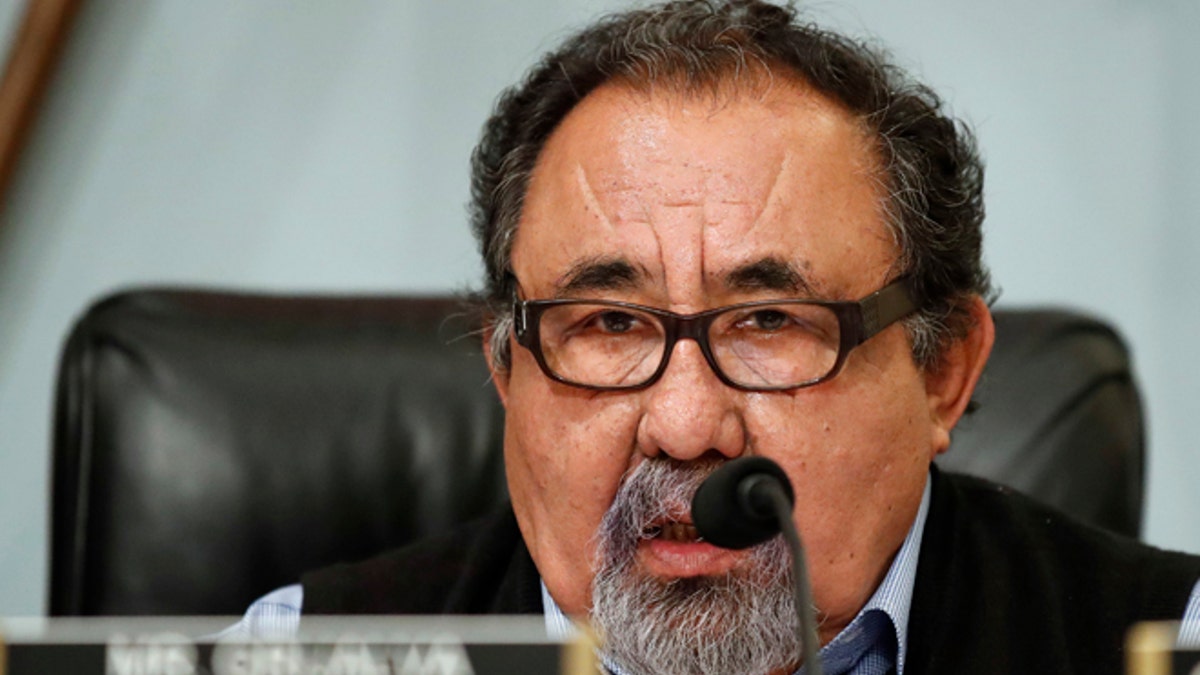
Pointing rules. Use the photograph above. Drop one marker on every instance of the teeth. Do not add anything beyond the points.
(679, 532)
(673, 531)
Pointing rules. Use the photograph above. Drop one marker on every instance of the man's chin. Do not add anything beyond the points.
(683, 605)
(731, 611)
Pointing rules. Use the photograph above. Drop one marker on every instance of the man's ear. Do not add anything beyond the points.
(950, 384)
(499, 375)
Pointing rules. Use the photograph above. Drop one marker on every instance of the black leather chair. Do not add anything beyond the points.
(210, 446)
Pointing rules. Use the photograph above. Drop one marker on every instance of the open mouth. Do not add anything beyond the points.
(673, 531)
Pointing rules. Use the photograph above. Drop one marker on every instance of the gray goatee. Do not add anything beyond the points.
(739, 622)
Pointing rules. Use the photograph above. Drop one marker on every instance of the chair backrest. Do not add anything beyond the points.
(211, 446)
(1060, 418)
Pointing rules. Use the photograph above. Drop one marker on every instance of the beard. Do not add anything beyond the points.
(742, 621)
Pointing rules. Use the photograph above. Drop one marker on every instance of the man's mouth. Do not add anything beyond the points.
(673, 549)
(673, 531)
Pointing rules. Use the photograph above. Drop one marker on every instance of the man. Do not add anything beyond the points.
(713, 232)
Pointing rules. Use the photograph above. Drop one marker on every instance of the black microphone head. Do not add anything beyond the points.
(728, 512)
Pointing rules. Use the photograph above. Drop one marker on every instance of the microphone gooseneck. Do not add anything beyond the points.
(745, 502)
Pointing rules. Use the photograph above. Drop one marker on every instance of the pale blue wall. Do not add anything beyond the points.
(325, 148)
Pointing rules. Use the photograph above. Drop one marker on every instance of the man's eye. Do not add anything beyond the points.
(767, 319)
(615, 322)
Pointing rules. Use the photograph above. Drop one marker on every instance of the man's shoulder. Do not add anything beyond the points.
(992, 511)
(478, 567)
(1005, 580)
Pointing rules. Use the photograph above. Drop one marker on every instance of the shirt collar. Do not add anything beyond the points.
(891, 602)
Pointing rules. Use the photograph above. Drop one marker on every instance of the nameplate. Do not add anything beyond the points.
(324, 646)
(1153, 649)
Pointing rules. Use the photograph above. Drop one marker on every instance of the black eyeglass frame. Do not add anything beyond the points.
(858, 321)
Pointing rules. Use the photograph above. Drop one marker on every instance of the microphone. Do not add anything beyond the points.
(746, 501)
(732, 508)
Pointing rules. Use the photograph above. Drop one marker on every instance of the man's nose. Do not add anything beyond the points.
(689, 411)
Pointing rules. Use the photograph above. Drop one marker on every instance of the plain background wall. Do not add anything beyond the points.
(322, 146)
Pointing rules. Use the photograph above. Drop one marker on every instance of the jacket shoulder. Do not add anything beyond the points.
(1006, 584)
(480, 567)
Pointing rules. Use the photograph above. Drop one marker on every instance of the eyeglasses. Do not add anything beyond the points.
(768, 345)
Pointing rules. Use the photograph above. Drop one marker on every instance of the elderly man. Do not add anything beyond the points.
(710, 232)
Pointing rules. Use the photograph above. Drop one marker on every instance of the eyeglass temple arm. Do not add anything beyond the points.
(886, 306)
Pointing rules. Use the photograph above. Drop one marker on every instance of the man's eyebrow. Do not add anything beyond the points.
(598, 275)
(772, 274)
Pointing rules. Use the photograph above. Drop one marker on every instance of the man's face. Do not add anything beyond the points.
(688, 203)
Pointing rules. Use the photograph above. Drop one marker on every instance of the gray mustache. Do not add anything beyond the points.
(655, 490)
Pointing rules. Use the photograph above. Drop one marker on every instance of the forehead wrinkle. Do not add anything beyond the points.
(772, 193)
(591, 202)
(703, 255)
(677, 261)
(605, 273)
